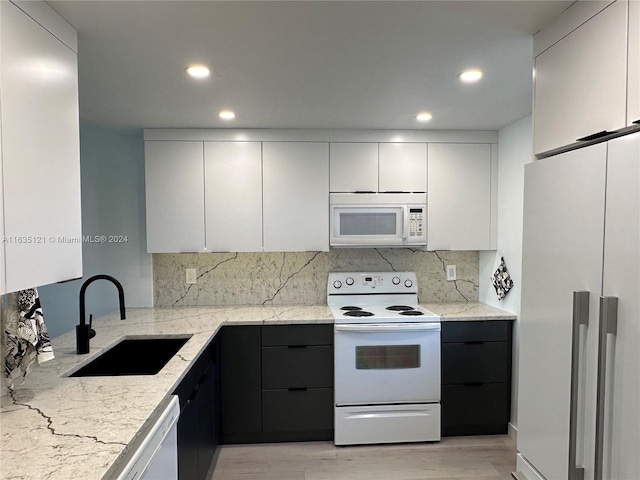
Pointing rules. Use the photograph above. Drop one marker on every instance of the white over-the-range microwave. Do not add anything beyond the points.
(378, 219)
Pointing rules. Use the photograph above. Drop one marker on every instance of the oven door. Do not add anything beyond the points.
(387, 363)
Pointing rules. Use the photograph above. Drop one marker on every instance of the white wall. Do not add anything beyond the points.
(113, 203)
(514, 151)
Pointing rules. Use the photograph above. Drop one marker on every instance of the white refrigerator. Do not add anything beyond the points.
(579, 365)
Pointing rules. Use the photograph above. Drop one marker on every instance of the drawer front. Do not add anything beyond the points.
(285, 335)
(475, 410)
(488, 362)
(285, 367)
(298, 410)
(476, 331)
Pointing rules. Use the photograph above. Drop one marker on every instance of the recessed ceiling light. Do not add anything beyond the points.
(198, 71)
(470, 76)
(424, 117)
(227, 115)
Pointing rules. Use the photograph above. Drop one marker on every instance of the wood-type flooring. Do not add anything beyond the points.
(462, 458)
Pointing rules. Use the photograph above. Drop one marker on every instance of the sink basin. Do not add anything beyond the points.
(133, 356)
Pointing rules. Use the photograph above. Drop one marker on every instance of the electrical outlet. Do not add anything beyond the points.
(451, 272)
(191, 275)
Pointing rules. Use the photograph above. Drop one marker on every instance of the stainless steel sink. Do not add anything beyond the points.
(133, 356)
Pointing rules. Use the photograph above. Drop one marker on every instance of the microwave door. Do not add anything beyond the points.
(353, 226)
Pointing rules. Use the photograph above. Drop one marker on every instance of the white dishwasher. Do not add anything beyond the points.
(157, 456)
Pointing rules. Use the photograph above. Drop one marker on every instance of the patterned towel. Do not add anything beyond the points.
(502, 280)
(26, 334)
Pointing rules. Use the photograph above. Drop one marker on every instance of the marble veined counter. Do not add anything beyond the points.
(59, 428)
(451, 312)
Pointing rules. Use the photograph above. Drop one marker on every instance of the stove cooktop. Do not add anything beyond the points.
(381, 314)
(376, 297)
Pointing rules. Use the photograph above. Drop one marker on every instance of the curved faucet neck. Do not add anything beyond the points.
(88, 282)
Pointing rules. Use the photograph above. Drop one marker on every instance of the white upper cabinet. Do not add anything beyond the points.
(3, 288)
(462, 197)
(580, 84)
(233, 193)
(208, 192)
(296, 196)
(633, 98)
(174, 178)
(40, 152)
(402, 167)
(353, 167)
(378, 167)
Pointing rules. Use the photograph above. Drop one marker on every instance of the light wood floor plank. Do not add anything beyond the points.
(454, 458)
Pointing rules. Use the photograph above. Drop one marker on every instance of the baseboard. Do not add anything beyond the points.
(512, 431)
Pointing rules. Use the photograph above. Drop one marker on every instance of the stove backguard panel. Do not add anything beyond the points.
(300, 278)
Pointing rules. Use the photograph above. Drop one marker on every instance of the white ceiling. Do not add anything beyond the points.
(305, 64)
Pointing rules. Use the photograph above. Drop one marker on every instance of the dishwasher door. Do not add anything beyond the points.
(157, 456)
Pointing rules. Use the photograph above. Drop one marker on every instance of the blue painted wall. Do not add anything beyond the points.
(113, 203)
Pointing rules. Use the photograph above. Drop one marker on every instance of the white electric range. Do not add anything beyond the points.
(387, 359)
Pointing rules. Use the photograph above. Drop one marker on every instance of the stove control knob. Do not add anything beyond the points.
(337, 284)
(396, 280)
(349, 281)
(408, 283)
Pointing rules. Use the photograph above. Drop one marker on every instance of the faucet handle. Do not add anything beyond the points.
(92, 332)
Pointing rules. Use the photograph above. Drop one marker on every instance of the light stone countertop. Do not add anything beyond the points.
(58, 427)
(451, 312)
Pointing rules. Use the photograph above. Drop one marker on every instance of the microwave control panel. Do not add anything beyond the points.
(416, 222)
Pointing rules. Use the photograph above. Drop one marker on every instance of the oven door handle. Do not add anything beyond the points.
(387, 327)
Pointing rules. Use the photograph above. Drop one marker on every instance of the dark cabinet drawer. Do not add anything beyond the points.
(297, 410)
(291, 335)
(476, 331)
(475, 410)
(284, 367)
(476, 362)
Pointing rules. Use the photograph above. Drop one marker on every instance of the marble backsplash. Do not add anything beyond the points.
(300, 278)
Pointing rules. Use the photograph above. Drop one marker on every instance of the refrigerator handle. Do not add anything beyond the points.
(608, 326)
(580, 317)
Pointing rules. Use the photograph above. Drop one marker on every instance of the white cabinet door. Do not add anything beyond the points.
(3, 288)
(460, 198)
(622, 280)
(174, 179)
(233, 192)
(581, 81)
(633, 95)
(41, 154)
(295, 196)
(402, 167)
(564, 200)
(353, 167)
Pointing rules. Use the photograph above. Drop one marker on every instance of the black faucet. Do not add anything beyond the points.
(83, 331)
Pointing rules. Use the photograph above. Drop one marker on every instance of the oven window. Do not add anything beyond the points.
(380, 357)
(368, 223)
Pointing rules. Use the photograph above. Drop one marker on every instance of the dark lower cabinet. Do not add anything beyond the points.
(206, 423)
(198, 424)
(475, 409)
(476, 377)
(188, 444)
(277, 383)
(298, 414)
(240, 365)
